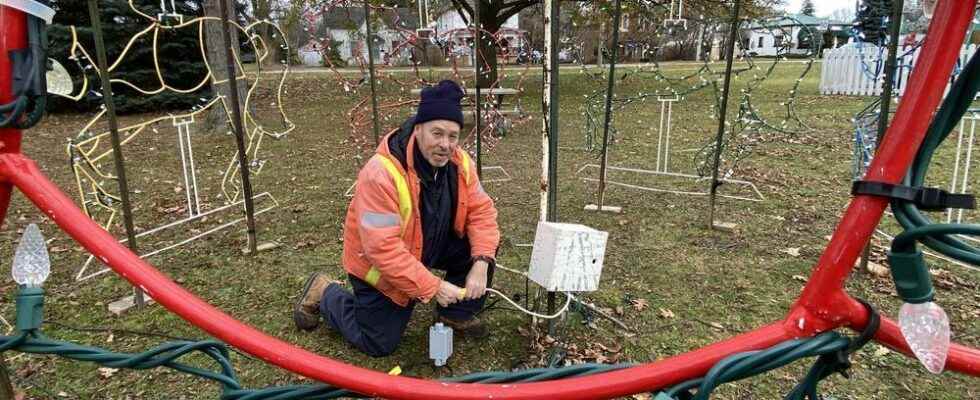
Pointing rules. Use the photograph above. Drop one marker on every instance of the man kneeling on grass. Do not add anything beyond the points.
(418, 204)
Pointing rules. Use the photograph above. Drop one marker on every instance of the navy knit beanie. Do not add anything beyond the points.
(441, 102)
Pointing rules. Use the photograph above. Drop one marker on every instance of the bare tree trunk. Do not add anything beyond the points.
(217, 119)
(263, 10)
(293, 31)
(487, 45)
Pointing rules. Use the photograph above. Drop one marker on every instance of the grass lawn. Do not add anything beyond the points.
(680, 285)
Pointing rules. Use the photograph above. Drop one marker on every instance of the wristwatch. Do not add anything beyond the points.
(489, 260)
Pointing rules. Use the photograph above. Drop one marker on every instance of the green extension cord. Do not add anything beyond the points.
(917, 226)
(167, 355)
(831, 348)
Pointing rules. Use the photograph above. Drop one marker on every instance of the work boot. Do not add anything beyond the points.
(306, 312)
(472, 328)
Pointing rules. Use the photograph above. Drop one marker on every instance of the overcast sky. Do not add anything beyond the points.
(824, 7)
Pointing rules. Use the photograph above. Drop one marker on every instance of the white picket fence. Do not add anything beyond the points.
(858, 69)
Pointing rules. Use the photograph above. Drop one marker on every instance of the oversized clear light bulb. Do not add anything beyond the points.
(925, 327)
(31, 264)
(928, 7)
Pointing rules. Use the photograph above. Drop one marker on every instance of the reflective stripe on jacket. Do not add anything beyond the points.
(383, 232)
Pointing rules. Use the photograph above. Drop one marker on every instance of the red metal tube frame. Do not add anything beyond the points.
(823, 305)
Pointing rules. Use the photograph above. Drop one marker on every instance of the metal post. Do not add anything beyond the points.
(555, 18)
(478, 65)
(697, 53)
(550, 142)
(239, 131)
(886, 93)
(117, 154)
(609, 95)
(723, 117)
(370, 51)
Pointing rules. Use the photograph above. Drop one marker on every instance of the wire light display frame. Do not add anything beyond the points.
(87, 152)
(823, 305)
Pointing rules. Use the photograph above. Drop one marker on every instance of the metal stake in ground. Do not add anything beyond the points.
(370, 51)
(617, 15)
(723, 117)
(550, 140)
(886, 92)
(555, 18)
(239, 132)
(478, 67)
(117, 154)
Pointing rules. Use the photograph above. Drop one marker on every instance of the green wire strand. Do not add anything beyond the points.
(743, 365)
(733, 368)
(908, 215)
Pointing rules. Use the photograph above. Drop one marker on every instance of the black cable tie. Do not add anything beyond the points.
(925, 198)
(870, 329)
(840, 361)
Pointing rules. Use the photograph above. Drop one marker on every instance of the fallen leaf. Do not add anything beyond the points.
(800, 278)
(639, 304)
(878, 269)
(666, 313)
(106, 372)
(619, 310)
(793, 251)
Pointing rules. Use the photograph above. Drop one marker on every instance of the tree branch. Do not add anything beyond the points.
(508, 10)
(462, 5)
(516, 2)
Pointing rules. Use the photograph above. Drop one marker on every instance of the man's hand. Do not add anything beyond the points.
(476, 280)
(447, 294)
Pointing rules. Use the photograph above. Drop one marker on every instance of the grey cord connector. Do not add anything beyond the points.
(440, 343)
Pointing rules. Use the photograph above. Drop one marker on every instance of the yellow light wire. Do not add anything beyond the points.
(85, 153)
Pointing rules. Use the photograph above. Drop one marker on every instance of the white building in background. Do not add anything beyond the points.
(793, 34)
(347, 28)
(450, 27)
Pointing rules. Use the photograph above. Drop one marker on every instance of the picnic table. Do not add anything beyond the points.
(502, 100)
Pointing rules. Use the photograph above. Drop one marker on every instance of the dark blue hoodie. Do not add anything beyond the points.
(437, 200)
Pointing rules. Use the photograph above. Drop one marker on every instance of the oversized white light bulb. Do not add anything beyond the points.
(31, 264)
(925, 327)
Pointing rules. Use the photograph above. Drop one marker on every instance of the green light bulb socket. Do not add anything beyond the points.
(912, 280)
(30, 308)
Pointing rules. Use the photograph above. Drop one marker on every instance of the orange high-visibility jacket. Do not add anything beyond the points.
(383, 229)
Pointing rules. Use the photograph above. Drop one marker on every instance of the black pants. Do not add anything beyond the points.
(374, 324)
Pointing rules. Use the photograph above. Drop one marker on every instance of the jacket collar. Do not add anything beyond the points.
(400, 145)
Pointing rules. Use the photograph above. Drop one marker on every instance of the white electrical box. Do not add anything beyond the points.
(567, 257)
